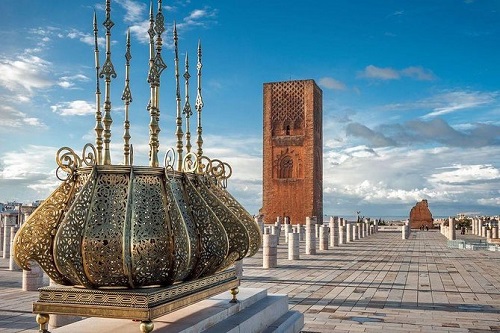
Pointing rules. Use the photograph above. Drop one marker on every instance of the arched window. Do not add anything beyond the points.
(287, 129)
(286, 167)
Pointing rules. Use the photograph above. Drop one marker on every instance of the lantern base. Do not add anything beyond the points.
(137, 304)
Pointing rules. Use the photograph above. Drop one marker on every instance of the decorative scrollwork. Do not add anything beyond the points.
(169, 162)
(217, 169)
(190, 162)
(68, 161)
(89, 157)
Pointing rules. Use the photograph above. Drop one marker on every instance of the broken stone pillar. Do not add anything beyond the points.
(12, 263)
(323, 237)
(341, 235)
(310, 236)
(348, 233)
(269, 251)
(275, 231)
(334, 231)
(288, 230)
(293, 246)
(494, 232)
(33, 279)
(452, 232)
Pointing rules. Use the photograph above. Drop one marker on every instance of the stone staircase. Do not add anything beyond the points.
(255, 312)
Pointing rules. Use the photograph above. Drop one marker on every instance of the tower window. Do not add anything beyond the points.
(286, 167)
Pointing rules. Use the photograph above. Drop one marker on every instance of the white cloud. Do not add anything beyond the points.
(466, 174)
(70, 81)
(26, 72)
(74, 108)
(134, 11)
(373, 72)
(13, 118)
(388, 73)
(459, 100)
(331, 83)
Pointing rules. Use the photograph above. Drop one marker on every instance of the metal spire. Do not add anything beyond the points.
(199, 104)
(187, 107)
(107, 72)
(156, 67)
(98, 115)
(127, 98)
(178, 122)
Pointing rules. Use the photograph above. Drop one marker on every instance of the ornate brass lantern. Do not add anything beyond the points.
(126, 226)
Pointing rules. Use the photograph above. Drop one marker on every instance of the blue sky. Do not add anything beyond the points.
(411, 93)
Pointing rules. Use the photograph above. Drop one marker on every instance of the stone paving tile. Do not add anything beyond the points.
(383, 283)
(380, 283)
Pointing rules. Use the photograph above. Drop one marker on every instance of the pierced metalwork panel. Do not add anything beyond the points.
(41, 226)
(102, 245)
(236, 232)
(151, 237)
(68, 240)
(254, 235)
(213, 238)
(186, 238)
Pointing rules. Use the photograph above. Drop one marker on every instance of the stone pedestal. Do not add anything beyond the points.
(293, 246)
(269, 251)
(323, 237)
(310, 236)
(341, 235)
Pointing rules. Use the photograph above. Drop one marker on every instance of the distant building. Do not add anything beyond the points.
(292, 151)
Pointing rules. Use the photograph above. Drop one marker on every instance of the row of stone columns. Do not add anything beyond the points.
(336, 233)
(479, 228)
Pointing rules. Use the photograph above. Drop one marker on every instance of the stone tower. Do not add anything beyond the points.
(293, 151)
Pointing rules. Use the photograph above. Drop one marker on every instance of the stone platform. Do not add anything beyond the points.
(380, 283)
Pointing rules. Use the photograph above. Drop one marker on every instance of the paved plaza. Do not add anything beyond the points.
(381, 283)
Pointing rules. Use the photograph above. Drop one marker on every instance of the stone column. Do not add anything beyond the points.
(269, 251)
(358, 229)
(494, 232)
(483, 231)
(12, 264)
(404, 232)
(288, 230)
(364, 233)
(33, 279)
(6, 242)
(452, 231)
(488, 233)
(323, 237)
(300, 231)
(348, 233)
(341, 235)
(2, 232)
(310, 236)
(334, 232)
(293, 246)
